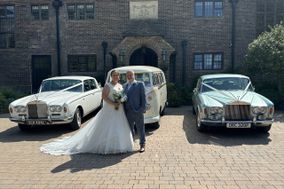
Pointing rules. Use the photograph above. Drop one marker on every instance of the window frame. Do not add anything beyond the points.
(40, 12)
(7, 33)
(75, 66)
(88, 15)
(213, 61)
(213, 11)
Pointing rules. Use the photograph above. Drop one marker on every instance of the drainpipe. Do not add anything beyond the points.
(104, 45)
(233, 34)
(57, 4)
(184, 45)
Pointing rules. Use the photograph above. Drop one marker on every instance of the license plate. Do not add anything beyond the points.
(37, 122)
(238, 125)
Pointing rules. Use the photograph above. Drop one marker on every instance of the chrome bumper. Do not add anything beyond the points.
(42, 121)
(256, 123)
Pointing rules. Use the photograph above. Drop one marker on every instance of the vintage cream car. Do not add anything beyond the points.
(155, 89)
(229, 100)
(61, 100)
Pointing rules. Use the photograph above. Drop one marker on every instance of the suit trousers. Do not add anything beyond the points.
(136, 118)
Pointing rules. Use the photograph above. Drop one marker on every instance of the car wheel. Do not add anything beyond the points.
(200, 127)
(155, 125)
(24, 127)
(77, 120)
(264, 129)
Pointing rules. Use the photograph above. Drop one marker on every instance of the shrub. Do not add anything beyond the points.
(186, 94)
(264, 63)
(174, 99)
(273, 95)
(178, 96)
(7, 95)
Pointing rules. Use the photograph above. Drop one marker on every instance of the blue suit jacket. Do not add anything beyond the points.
(136, 99)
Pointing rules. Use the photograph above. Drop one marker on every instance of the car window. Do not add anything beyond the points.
(198, 85)
(155, 79)
(57, 84)
(93, 84)
(143, 77)
(87, 85)
(228, 83)
(76, 89)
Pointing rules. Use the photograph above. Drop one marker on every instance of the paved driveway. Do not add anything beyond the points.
(176, 156)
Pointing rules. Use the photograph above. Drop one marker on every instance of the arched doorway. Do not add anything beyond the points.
(144, 56)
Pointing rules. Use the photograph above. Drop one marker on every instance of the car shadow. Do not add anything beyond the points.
(279, 116)
(88, 161)
(40, 132)
(222, 136)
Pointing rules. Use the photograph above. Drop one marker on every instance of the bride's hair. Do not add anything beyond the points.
(113, 71)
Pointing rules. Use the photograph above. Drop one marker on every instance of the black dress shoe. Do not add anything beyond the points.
(142, 149)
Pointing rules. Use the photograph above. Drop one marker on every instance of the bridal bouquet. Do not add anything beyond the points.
(119, 97)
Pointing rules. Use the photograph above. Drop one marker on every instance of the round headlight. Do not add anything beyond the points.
(20, 109)
(216, 110)
(259, 110)
(55, 108)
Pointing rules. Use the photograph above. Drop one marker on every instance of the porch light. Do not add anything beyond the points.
(122, 56)
(164, 55)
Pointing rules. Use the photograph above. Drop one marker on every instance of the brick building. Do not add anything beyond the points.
(186, 38)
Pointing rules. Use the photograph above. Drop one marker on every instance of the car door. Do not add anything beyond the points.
(88, 100)
(96, 94)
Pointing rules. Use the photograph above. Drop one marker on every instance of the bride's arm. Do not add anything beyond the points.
(105, 93)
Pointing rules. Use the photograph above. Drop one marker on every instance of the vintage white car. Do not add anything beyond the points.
(155, 88)
(229, 100)
(61, 100)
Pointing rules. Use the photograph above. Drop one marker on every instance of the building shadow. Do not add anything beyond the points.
(222, 136)
(39, 132)
(177, 111)
(88, 161)
(4, 115)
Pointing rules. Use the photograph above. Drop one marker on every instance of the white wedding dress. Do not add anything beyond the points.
(107, 133)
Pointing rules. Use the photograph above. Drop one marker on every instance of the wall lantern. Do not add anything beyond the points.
(164, 55)
(122, 56)
(164, 65)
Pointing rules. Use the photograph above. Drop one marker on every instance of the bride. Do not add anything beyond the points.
(107, 133)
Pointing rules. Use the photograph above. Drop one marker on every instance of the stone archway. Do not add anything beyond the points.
(133, 45)
(128, 45)
(144, 56)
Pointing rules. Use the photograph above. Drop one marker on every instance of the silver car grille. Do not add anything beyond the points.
(237, 112)
(37, 109)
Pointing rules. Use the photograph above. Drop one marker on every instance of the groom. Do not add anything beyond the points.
(135, 106)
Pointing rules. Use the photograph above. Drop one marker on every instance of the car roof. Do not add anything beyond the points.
(211, 76)
(137, 69)
(70, 77)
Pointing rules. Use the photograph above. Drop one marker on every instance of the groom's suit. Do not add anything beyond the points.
(135, 106)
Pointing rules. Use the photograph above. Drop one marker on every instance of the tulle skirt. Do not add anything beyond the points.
(107, 133)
